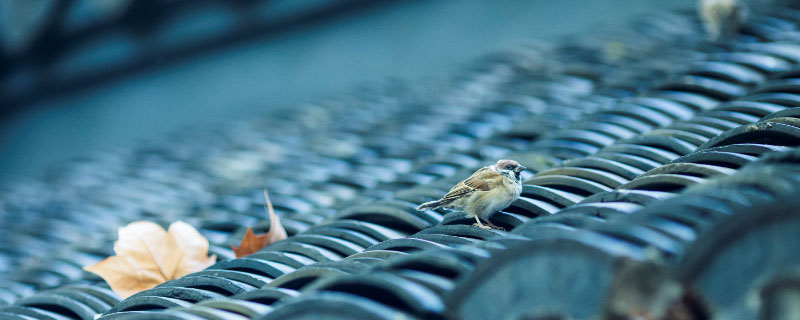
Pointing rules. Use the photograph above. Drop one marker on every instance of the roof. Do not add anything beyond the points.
(664, 182)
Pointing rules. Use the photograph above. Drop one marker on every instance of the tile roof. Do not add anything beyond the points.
(663, 181)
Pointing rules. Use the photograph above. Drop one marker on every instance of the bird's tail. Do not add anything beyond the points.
(430, 205)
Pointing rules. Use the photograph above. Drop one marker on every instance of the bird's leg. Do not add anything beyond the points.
(491, 225)
(480, 225)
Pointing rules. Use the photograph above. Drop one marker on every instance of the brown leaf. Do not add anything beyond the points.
(252, 242)
(147, 256)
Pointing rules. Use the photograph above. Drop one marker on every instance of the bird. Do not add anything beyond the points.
(721, 18)
(488, 190)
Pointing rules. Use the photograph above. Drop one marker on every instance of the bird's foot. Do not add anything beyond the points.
(493, 226)
(482, 226)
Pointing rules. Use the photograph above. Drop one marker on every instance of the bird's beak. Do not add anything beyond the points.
(519, 169)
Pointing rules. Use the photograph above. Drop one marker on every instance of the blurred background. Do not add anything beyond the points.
(79, 76)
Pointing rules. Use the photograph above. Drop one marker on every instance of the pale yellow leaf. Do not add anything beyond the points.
(147, 255)
(148, 249)
(276, 230)
(193, 247)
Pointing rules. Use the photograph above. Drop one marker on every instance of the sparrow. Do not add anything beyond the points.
(488, 190)
(721, 18)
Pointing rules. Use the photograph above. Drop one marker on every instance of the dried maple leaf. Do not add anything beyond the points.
(253, 242)
(147, 256)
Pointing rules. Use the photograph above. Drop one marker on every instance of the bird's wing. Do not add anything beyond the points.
(482, 180)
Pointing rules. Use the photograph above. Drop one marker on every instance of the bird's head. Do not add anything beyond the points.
(510, 167)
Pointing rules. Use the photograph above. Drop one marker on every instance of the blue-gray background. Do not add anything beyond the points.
(411, 40)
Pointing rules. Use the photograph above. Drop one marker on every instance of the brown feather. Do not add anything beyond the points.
(482, 180)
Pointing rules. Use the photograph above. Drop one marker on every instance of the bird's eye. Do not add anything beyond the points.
(508, 167)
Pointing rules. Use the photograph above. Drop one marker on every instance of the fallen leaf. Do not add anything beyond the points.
(252, 242)
(276, 230)
(147, 255)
